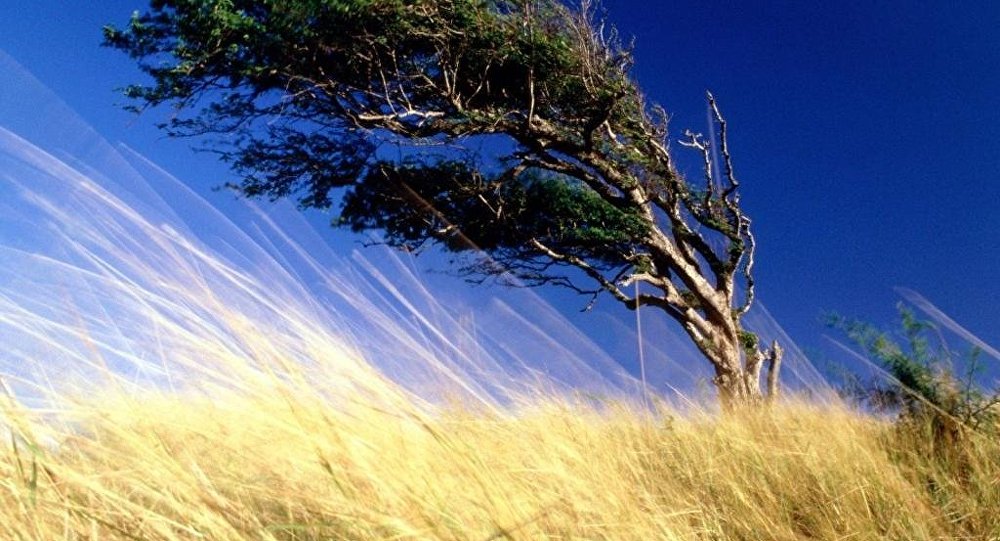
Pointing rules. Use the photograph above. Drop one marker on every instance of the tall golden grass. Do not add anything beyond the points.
(157, 389)
(280, 466)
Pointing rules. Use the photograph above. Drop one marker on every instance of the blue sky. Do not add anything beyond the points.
(866, 135)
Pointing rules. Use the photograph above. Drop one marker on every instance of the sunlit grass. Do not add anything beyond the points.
(289, 467)
(157, 388)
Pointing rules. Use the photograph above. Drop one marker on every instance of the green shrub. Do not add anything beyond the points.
(921, 382)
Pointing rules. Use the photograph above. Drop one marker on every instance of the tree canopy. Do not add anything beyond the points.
(509, 131)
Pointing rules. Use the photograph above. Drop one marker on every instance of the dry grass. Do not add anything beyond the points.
(235, 468)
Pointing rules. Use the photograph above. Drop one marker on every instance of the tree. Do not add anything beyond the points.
(509, 132)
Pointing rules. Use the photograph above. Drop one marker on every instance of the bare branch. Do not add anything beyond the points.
(587, 268)
(724, 147)
(696, 141)
(748, 252)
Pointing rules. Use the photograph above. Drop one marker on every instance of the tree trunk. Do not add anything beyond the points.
(738, 390)
(738, 374)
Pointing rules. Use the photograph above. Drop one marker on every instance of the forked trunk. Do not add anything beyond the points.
(738, 375)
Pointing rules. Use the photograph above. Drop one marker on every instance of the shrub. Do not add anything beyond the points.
(921, 382)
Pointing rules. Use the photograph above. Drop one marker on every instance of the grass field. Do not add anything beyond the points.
(284, 465)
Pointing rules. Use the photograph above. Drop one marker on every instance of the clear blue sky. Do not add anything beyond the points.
(867, 135)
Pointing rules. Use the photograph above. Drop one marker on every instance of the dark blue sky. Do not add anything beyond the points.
(866, 134)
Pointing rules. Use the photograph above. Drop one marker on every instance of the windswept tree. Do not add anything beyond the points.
(508, 132)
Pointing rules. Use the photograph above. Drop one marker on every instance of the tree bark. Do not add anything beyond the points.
(738, 375)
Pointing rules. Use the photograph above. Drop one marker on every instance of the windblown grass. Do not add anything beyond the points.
(289, 467)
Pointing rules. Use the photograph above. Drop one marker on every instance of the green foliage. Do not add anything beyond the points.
(416, 202)
(749, 341)
(496, 48)
(923, 384)
(288, 84)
